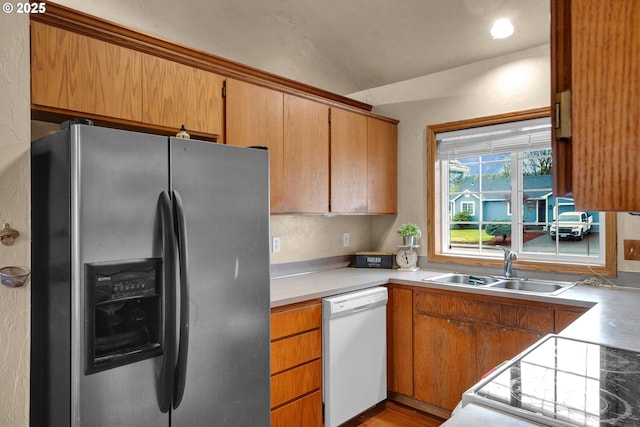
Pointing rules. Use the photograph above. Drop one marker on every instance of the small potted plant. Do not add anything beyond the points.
(410, 233)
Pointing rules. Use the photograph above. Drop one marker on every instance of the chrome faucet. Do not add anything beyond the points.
(509, 257)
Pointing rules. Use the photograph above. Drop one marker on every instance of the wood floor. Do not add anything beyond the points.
(391, 414)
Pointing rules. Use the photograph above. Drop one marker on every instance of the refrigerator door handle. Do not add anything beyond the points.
(183, 348)
(166, 376)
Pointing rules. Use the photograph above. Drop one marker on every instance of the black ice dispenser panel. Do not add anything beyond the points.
(123, 309)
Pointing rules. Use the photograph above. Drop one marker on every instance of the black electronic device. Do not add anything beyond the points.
(123, 312)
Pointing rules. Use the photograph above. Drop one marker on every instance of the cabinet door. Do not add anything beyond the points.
(73, 72)
(444, 360)
(498, 343)
(254, 117)
(306, 156)
(599, 44)
(175, 94)
(348, 162)
(382, 160)
(400, 341)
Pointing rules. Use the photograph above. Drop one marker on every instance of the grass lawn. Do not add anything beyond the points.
(468, 236)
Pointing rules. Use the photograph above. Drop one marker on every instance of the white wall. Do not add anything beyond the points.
(14, 209)
(514, 82)
(305, 237)
(510, 83)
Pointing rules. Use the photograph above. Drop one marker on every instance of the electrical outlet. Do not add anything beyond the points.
(275, 245)
(632, 250)
(345, 239)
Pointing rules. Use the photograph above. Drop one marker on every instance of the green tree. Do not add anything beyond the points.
(462, 216)
(537, 162)
(500, 229)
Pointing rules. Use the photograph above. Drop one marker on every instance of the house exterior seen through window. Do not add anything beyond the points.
(495, 188)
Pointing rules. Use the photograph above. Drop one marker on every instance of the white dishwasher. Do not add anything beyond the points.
(354, 353)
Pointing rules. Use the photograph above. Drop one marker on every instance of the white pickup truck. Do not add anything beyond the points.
(571, 225)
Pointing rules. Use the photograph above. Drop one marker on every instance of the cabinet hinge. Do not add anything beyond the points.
(562, 127)
(329, 116)
(224, 89)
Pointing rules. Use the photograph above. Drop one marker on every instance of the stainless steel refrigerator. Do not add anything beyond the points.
(150, 285)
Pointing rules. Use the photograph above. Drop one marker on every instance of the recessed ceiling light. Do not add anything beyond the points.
(502, 29)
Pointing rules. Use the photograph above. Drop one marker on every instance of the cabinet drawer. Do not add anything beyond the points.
(290, 321)
(294, 351)
(296, 382)
(455, 307)
(305, 412)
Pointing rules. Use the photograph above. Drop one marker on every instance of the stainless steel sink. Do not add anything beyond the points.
(463, 279)
(503, 283)
(532, 286)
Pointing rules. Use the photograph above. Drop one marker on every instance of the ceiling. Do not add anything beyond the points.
(343, 46)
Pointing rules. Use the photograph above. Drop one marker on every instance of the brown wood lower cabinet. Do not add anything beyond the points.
(458, 337)
(495, 344)
(304, 412)
(444, 359)
(400, 341)
(296, 365)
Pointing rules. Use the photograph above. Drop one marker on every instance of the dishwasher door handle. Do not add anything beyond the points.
(361, 308)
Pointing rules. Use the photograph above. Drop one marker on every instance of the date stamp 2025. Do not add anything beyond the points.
(24, 8)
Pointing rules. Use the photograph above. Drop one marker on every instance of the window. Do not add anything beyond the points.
(492, 179)
(469, 207)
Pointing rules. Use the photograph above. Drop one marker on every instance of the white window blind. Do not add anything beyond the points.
(524, 135)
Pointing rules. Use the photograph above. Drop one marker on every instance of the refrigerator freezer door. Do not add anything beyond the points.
(225, 195)
(116, 186)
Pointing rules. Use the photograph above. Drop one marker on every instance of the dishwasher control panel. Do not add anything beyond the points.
(355, 301)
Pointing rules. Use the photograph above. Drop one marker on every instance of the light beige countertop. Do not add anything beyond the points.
(613, 318)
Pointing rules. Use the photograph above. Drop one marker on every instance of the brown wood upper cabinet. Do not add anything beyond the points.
(176, 94)
(348, 162)
(595, 63)
(74, 74)
(382, 161)
(80, 74)
(363, 164)
(345, 166)
(306, 156)
(254, 116)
